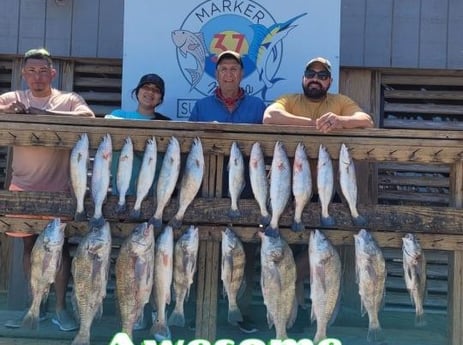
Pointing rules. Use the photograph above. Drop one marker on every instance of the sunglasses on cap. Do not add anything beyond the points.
(322, 75)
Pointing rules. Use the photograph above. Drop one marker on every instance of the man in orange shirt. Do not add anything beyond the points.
(42, 169)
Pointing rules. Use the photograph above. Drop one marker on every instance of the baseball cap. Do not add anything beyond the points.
(38, 53)
(230, 54)
(152, 78)
(325, 62)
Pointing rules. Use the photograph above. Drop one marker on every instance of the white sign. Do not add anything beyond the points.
(180, 41)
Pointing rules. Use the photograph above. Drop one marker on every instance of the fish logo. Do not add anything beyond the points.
(263, 49)
(258, 37)
(192, 43)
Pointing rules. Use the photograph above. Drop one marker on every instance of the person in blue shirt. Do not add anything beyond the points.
(149, 94)
(229, 103)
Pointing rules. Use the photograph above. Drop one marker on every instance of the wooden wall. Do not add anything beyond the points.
(402, 33)
(78, 28)
(374, 33)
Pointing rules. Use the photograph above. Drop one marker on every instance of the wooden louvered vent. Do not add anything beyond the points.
(419, 100)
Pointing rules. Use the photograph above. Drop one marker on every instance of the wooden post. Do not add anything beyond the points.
(455, 296)
(17, 285)
(358, 85)
(209, 258)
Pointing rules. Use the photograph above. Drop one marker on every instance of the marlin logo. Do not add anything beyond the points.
(188, 42)
(264, 47)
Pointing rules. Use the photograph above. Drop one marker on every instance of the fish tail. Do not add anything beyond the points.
(297, 226)
(30, 320)
(80, 216)
(82, 338)
(135, 214)
(176, 319)
(375, 333)
(234, 315)
(234, 213)
(160, 331)
(265, 220)
(156, 222)
(420, 321)
(121, 207)
(271, 231)
(319, 336)
(176, 223)
(359, 220)
(98, 222)
(327, 221)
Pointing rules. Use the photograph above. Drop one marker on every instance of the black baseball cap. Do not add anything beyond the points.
(152, 78)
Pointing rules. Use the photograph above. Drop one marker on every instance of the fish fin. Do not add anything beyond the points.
(80, 216)
(96, 222)
(99, 312)
(135, 214)
(327, 221)
(269, 320)
(297, 226)
(160, 331)
(375, 334)
(265, 220)
(234, 213)
(242, 289)
(293, 315)
(320, 272)
(360, 221)
(156, 222)
(234, 316)
(176, 223)
(30, 321)
(121, 208)
(272, 232)
(420, 321)
(176, 319)
(300, 294)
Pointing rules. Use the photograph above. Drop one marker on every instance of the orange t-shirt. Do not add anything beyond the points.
(39, 168)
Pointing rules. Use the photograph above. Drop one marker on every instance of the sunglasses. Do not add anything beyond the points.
(322, 75)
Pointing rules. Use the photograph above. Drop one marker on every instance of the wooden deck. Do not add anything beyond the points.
(349, 327)
(438, 228)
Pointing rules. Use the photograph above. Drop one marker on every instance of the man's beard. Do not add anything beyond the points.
(314, 93)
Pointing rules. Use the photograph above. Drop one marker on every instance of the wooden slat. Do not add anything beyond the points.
(419, 108)
(100, 68)
(435, 301)
(433, 270)
(456, 297)
(423, 124)
(424, 94)
(419, 180)
(435, 168)
(435, 198)
(432, 285)
(97, 82)
(434, 256)
(91, 96)
(404, 79)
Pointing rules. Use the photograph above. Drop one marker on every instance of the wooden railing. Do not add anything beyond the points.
(437, 227)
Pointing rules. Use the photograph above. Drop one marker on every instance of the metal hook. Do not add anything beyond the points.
(36, 137)
(60, 141)
(412, 156)
(7, 224)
